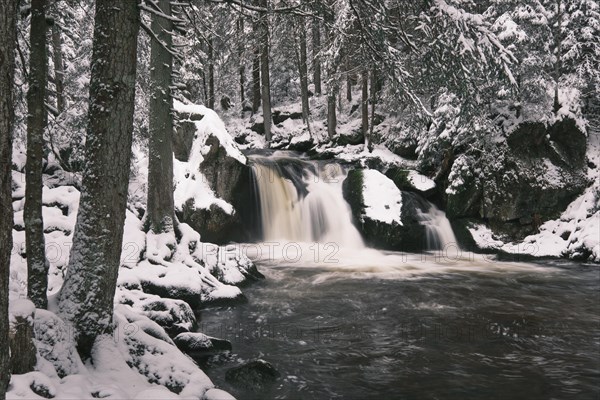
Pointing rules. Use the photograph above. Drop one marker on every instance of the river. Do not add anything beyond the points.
(372, 325)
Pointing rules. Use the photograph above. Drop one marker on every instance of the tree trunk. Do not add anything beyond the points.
(264, 72)
(331, 112)
(256, 82)
(242, 68)
(211, 72)
(557, 63)
(348, 88)
(59, 69)
(160, 216)
(365, 103)
(37, 264)
(374, 90)
(303, 70)
(8, 36)
(86, 298)
(23, 354)
(316, 47)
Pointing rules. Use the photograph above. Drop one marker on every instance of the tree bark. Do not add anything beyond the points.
(316, 47)
(348, 88)
(242, 67)
(160, 215)
(8, 37)
(374, 87)
(86, 298)
(264, 72)
(211, 72)
(37, 264)
(59, 69)
(256, 82)
(303, 70)
(23, 354)
(331, 112)
(557, 63)
(365, 103)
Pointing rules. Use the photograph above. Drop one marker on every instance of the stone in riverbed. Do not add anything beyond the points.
(197, 344)
(253, 375)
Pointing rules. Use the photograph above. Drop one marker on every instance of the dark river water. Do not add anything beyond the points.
(412, 327)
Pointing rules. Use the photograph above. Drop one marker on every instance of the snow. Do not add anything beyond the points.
(140, 360)
(210, 124)
(382, 199)
(190, 183)
(22, 309)
(420, 182)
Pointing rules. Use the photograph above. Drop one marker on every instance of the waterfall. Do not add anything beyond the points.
(302, 201)
(440, 235)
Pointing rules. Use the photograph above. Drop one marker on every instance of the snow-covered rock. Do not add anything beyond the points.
(197, 344)
(212, 180)
(411, 181)
(386, 217)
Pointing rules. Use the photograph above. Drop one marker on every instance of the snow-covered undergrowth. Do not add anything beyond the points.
(155, 291)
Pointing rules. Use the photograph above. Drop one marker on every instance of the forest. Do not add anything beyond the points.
(173, 166)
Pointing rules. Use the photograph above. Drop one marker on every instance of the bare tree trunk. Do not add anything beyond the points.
(37, 264)
(8, 35)
(374, 87)
(348, 88)
(86, 298)
(256, 82)
(303, 70)
(331, 112)
(211, 72)
(264, 73)
(365, 103)
(59, 69)
(557, 63)
(242, 68)
(22, 349)
(316, 47)
(161, 209)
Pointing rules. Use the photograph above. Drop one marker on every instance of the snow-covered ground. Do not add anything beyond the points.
(139, 361)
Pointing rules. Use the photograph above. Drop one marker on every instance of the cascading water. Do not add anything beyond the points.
(302, 201)
(440, 235)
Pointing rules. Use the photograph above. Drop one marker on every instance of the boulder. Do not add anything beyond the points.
(541, 170)
(174, 316)
(386, 217)
(253, 375)
(411, 181)
(352, 137)
(280, 115)
(198, 345)
(183, 139)
(230, 179)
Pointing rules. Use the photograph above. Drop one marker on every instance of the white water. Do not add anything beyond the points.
(440, 235)
(319, 215)
(302, 201)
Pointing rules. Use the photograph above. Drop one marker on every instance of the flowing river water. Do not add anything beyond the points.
(341, 321)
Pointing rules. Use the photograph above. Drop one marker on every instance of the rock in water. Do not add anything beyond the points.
(392, 224)
(198, 345)
(253, 375)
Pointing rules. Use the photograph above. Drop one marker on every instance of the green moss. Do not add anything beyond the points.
(353, 192)
(400, 178)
